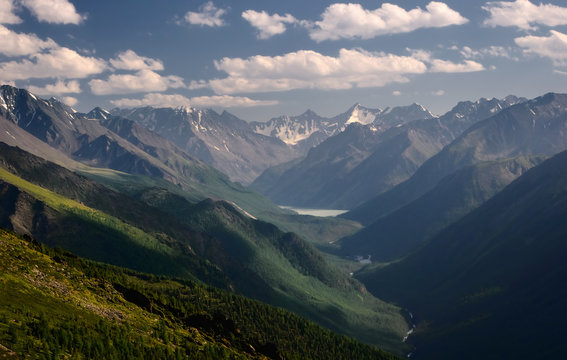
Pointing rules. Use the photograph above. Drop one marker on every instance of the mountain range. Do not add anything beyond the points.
(534, 127)
(455, 219)
(160, 220)
(309, 129)
(367, 159)
(223, 141)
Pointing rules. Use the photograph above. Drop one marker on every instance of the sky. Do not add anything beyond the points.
(262, 59)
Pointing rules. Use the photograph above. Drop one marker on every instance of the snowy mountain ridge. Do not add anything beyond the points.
(309, 129)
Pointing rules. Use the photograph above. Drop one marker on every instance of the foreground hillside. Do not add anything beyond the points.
(212, 241)
(492, 285)
(55, 305)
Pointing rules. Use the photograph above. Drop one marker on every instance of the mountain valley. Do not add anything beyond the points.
(461, 209)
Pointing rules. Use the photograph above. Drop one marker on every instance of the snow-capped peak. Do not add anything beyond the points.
(362, 115)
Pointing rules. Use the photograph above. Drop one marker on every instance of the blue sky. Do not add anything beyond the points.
(260, 59)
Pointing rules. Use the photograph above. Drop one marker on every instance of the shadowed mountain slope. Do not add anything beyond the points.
(491, 285)
(402, 231)
(535, 127)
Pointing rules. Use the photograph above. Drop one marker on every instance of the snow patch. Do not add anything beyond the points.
(361, 116)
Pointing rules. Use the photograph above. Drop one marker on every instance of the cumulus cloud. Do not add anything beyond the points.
(307, 69)
(553, 47)
(10, 82)
(62, 63)
(176, 100)
(142, 81)
(524, 15)
(7, 15)
(17, 44)
(491, 51)
(129, 60)
(310, 69)
(352, 21)
(54, 11)
(60, 87)
(444, 66)
(208, 15)
(268, 25)
(69, 100)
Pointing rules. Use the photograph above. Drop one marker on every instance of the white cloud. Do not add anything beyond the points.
(54, 11)
(491, 51)
(62, 63)
(129, 60)
(229, 101)
(60, 87)
(11, 82)
(444, 66)
(142, 81)
(176, 100)
(439, 93)
(209, 15)
(268, 25)
(307, 69)
(553, 47)
(396, 93)
(310, 69)
(352, 21)
(7, 15)
(18, 44)
(524, 15)
(69, 100)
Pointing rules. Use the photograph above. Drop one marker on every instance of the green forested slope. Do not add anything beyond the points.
(55, 305)
(163, 233)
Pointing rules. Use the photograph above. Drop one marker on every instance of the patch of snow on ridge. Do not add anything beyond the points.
(289, 131)
(361, 116)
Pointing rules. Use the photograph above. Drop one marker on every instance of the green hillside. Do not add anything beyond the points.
(212, 241)
(55, 305)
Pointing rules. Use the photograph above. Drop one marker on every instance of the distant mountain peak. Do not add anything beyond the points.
(98, 113)
(309, 113)
(362, 115)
